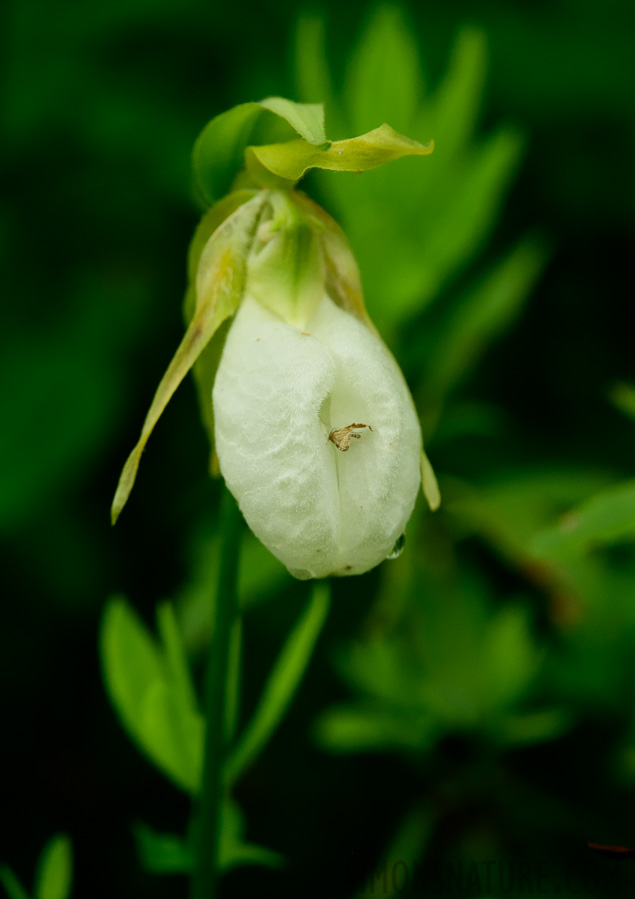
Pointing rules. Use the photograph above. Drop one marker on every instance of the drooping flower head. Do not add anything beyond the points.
(313, 426)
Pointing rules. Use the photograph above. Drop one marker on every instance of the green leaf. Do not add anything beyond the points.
(312, 76)
(457, 102)
(623, 397)
(282, 683)
(219, 285)
(12, 885)
(532, 727)
(463, 204)
(218, 154)
(603, 519)
(351, 729)
(233, 851)
(55, 869)
(151, 694)
(357, 154)
(384, 78)
(178, 668)
(509, 658)
(162, 853)
(167, 853)
(238, 855)
(483, 315)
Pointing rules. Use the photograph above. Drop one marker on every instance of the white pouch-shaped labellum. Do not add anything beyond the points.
(280, 393)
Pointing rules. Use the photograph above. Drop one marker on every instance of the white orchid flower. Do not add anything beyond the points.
(317, 438)
(312, 423)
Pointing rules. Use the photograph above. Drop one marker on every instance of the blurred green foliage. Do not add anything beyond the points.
(54, 874)
(473, 699)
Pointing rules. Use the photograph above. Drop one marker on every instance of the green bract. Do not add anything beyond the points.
(263, 136)
(264, 242)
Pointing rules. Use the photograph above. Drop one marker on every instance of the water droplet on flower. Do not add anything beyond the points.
(398, 548)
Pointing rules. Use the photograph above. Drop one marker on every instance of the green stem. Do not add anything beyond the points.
(210, 800)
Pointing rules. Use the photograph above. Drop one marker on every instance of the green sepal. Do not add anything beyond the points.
(285, 268)
(220, 279)
(341, 273)
(429, 483)
(219, 151)
(291, 160)
(204, 369)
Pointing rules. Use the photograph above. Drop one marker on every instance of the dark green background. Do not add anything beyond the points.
(102, 104)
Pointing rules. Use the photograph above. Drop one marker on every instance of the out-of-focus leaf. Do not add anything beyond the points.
(623, 397)
(234, 852)
(166, 853)
(312, 75)
(410, 841)
(55, 869)
(605, 518)
(260, 575)
(459, 221)
(282, 682)
(508, 657)
(384, 79)
(162, 853)
(453, 112)
(516, 503)
(351, 729)
(149, 698)
(487, 310)
(531, 727)
(12, 885)
(429, 221)
(238, 855)
(178, 669)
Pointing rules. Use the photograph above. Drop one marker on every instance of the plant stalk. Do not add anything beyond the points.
(210, 801)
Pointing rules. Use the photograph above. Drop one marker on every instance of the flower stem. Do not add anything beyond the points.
(210, 800)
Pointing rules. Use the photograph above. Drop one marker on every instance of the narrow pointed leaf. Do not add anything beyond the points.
(457, 103)
(384, 77)
(175, 655)
(312, 77)
(483, 314)
(292, 159)
(55, 869)
(151, 702)
(219, 287)
(282, 683)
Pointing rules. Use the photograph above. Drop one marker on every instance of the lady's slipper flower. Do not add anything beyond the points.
(313, 424)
